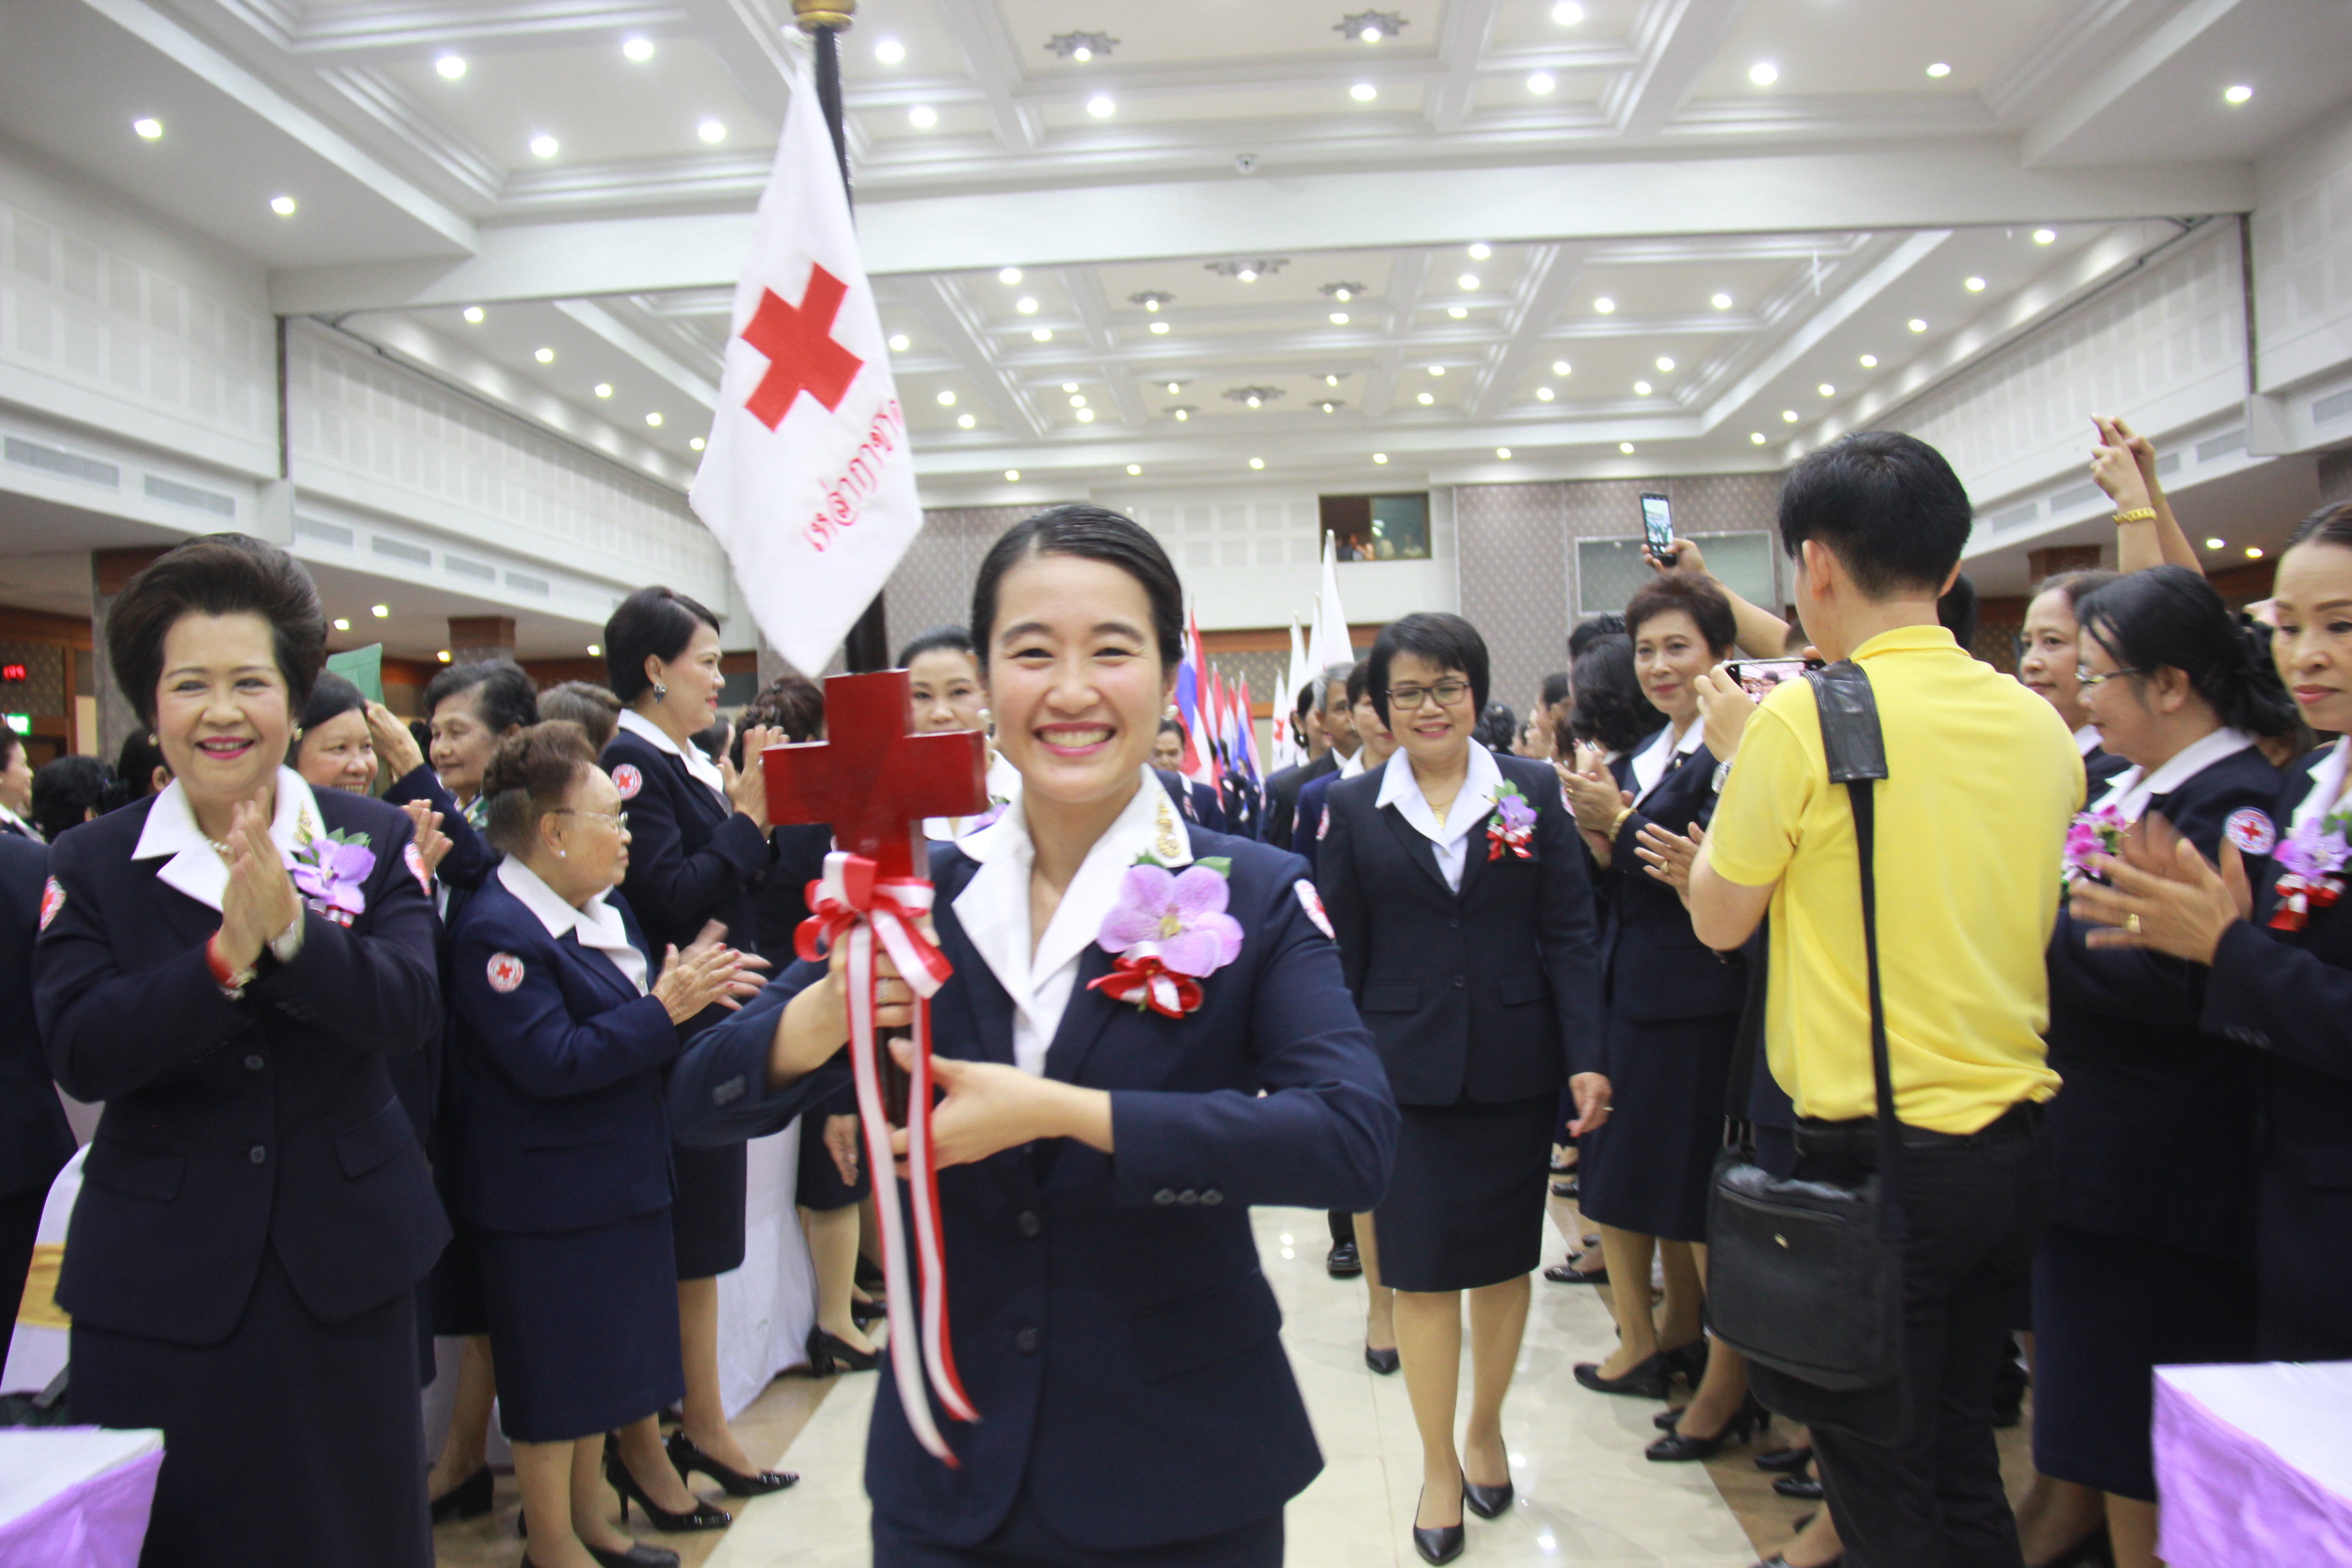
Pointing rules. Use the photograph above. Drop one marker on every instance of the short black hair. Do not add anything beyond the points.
(1885, 504)
(1957, 611)
(134, 769)
(2330, 524)
(1606, 624)
(331, 696)
(506, 700)
(1449, 642)
(216, 574)
(1357, 673)
(1556, 688)
(2077, 585)
(1697, 597)
(1093, 533)
(952, 639)
(1170, 727)
(65, 790)
(2172, 617)
(1611, 710)
(652, 623)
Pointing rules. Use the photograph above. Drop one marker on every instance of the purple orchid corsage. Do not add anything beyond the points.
(1512, 825)
(2308, 859)
(1169, 932)
(329, 872)
(2099, 832)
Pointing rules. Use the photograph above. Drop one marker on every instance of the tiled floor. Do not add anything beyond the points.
(1587, 1495)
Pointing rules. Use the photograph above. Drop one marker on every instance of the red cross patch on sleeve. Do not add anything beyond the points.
(628, 780)
(506, 972)
(414, 858)
(2251, 830)
(1312, 902)
(53, 898)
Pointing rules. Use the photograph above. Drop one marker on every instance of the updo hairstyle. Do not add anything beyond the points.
(216, 574)
(532, 773)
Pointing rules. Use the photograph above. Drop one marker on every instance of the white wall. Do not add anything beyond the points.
(2303, 290)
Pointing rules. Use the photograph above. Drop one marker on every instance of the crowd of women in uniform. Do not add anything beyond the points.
(480, 1057)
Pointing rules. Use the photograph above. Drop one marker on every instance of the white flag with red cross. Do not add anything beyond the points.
(808, 483)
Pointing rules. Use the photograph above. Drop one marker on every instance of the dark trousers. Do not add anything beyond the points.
(20, 1222)
(1974, 1209)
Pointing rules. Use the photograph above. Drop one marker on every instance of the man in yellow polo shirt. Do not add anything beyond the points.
(1982, 781)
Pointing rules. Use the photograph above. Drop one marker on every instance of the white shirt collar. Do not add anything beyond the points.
(700, 766)
(2086, 740)
(1353, 765)
(1654, 760)
(9, 814)
(2133, 788)
(1003, 789)
(1480, 783)
(2326, 783)
(597, 925)
(993, 908)
(196, 868)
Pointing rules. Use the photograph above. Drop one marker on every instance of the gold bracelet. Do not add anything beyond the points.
(1619, 820)
(2137, 514)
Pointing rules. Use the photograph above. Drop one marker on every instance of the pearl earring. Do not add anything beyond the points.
(564, 855)
(660, 691)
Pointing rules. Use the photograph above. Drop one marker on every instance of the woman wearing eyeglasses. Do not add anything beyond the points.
(1464, 920)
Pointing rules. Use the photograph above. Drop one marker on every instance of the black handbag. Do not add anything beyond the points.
(1805, 1278)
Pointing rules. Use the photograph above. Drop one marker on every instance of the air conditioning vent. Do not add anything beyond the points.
(414, 553)
(49, 461)
(178, 494)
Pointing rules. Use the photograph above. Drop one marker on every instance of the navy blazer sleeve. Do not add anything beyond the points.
(530, 1032)
(672, 889)
(1322, 1134)
(1565, 926)
(471, 855)
(719, 1090)
(110, 1032)
(35, 1139)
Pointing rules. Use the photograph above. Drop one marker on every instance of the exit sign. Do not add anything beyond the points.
(20, 723)
(11, 672)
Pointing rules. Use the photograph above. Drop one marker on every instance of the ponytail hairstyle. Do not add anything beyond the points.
(2170, 617)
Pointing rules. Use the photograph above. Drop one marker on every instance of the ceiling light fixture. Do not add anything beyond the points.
(1174, 387)
(1756, 437)
(1459, 312)
(603, 389)
(1870, 362)
(947, 399)
(1133, 469)
(901, 343)
(1339, 318)
(1467, 281)
(1665, 363)
(1077, 400)
(1009, 275)
(1082, 47)
(1257, 462)
(1182, 415)
(1788, 416)
(638, 49)
(380, 611)
(1086, 416)
(1826, 390)
(1246, 268)
(698, 443)
(1026, 305)
(2045, 236)
(443, 656)
(711, 130)
(1151, 298)
(1380, 457)
(655, 419)
(1604, 305)
(2209, 544)
(1567, 14)
(1426, 399)
(1331, 380)
(545, 146)
(1916, 324)
(2236, 95)
(1939, 71)
(1504, 453)
(147, 129)
(1973, 284)
(1544, 394)
(1540, 83)
(1159, 326)
(1720, 301)
(2253, 553)
(344, 626)
(889, 51)
(1561, 367)
(1069, 387)
(474, 315)
(1012, 473)
(1041, 335)
(966, 421)
(595, 650)
(922, 117)
(1763, 73)
(450, 66)
(1626, 447)
(282, 205)
(1371, 26)
(1641, 389)
(1102, 106)
(1363, 92)
(545, 357)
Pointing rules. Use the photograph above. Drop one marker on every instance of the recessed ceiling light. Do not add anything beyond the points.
(1086, 416)
(889, 51)
(638, 49)
(1330, 381)
(1626, 447)
(1077, 400)
(545, 146)
(947, 399)
(2239, 94)
(1605, 305)
(1459, 312)
(1082, 53)
(2253, 553)
(1788, 416)
(1133, 469)
(1339, 318)
(1720, 301)
(922, 117)
(1426, 399)
(1253, 401)
(1012, 473)
(2045, 236)
(1665, 362)
(282, 205)
(1363, 92)
(1641, 389)
(545, 357)
(698, 443)
(1437, 370)
(1826, 390)
(1561, 367)
(1257, 462)
(1371, 34)
(966, 421)
(1009, 275)
(380, 611)
(1380, 457)
(1160, 327)
(344, 626)
(474, 315)
(603, 389)
(1870, 362)
(1544, 394)
(1101, 106)
(451, 67)
(1042, 334)
(1247, 275)
(443, 656)
(1567, 14)
(1504, 453)
(1467, 281)
(1026, 305)
(1939, 70)
(149, 129)
(1763, 73)
(1182, 415)
(655, 419)
(2209, 544)
(595, 650)
(1174, 387)
(1756, 437)
(711, 130)
(1973, 284)
(1540, 82)
(1916, 324)
(901, 343)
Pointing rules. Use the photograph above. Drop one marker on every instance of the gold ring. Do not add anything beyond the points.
(2131, 924)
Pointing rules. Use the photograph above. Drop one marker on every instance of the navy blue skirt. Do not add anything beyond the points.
(1465, 1206)
(583, 1327)
(1646, 1169)
(707, 1210)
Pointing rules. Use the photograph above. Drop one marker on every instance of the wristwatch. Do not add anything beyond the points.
(1722, 771)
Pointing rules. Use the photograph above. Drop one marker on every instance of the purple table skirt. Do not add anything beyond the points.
(98, 1523)
(2231, 1497)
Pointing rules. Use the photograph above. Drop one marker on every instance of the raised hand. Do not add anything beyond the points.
(432, 843)
(2117, 467)
(1724, 708)
(2162, 894)
(747, 787)
(259, 902)
(1686, 558)
(393, 743)
(1668, 855)
(690, 983)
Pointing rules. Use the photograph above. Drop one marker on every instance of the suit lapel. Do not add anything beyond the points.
(1083, 1020)
(191, 920)
(988, 1008)
(1417, 848)
(602, 972)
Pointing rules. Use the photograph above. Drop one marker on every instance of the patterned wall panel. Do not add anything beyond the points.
(932, 586)
(2303, 257)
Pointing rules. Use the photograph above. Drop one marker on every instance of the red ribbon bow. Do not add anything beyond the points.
(1147, 983)
(2299, 895)
(1514, 839)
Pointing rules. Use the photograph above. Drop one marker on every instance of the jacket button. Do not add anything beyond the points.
(1212, 1199)
(1029, 1223)
(256, 1154)
(254, 1063)
(1460, 981)
(1187, 1197)
(1163, 1197)
(1025, 1341)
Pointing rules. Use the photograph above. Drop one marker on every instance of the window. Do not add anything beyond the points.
(1608, 571)
(1379, 528)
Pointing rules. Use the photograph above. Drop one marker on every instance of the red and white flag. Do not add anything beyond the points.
(809, 483)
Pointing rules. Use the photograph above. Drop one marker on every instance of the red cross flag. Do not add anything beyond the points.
(808, 482)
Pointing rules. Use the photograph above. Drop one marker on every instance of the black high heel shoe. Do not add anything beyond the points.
(1790, 1460)
(702, 1516)
(685, 1459)
(1687, 1361)
(1677, 1444)
(1439, 1543)
(1382, 1362)
(1805, 1488)
(1568, 1273)
(865, 1312)
(829, 1354)
(1646, 1380)
(1667, 1420)
(1486, 1502)
(469, 1498)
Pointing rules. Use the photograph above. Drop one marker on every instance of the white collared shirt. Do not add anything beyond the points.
(1654, 762)
(700, 766)
(597, 924)
(2086, 740)
(196, 868)
(1003, 789)
(993, 907)
(8, 815)
(2326, 783)
(1480, 785)
(2130, 791)
(1353, 765)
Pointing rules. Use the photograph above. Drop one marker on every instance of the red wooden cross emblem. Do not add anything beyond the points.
(873, 781)
(802, 354)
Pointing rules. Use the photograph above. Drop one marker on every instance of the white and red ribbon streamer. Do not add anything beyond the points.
(852, 901)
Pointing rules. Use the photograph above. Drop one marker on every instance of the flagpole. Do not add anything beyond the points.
(867, 647)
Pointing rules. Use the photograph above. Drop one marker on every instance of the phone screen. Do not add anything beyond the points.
(1658, 526)
(1757, 677)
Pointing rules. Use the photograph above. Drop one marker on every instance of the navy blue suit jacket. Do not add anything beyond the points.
(2144, 1083)
(692, 856)
(233, 1125)
(35, 1139)
(560, 1109)
(1658, 971)
(1196, 801)
(2289, 996)
(470, 858)
(1282, 797)
(1111, 1320)
(1489, 994)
